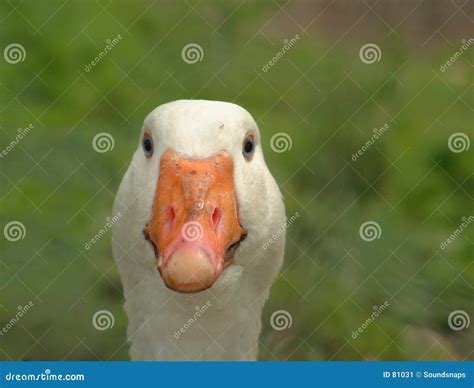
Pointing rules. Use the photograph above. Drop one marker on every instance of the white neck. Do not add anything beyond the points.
(222, 323)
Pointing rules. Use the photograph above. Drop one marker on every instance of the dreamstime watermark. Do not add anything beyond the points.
(14, 231)
(459, 320)
(377, 311)
(192, 231)
(466, 43)
(22, 132)
(288, 44)
(464, 224)
(14, 53)
(45, 376)
(378, 132)
(370, 53)
(199, 311)
(107, 226)
(370, 231)
(192, 53)
(103, 142)
(281, 320)
(103, 320)
(22, 310)
(110, 44)
(281, 142)
(458, 142)
(281, 230)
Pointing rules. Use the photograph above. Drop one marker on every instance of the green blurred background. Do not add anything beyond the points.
(320, 93)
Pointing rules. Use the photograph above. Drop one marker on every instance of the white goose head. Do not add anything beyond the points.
(198, 202)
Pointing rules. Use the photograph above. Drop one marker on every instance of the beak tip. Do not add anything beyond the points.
(189, 270)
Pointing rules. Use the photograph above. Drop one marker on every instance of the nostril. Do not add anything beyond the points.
(216, 216)
(171, 215)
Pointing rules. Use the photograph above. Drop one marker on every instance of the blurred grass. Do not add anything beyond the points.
(320, 93)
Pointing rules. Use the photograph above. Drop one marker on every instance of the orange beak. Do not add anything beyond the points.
(194, 228)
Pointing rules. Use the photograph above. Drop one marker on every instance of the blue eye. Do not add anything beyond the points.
(248, 147)
(147, 144)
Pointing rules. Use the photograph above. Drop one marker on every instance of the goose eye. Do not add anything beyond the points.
(147, 144)
(248, 147)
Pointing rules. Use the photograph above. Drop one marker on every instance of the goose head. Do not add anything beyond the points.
(206, 199)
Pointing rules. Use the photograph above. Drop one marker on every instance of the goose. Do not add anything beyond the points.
(194, 241)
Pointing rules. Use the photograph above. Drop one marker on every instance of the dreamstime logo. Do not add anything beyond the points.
(22, 310)
(377, 310)
(103, 142)
(464, 224)
(108, 225)
(370, 231)
(192, 53)
(103, 320)
(192, 231)
(458, 142)
(110, 44)
(22, 132)
(281, 320)
(288, 44)
(14, 53)
(377, 133)
(466, 43)
(44, 376)
(281, 142)
(459, 320)
(370, 53)
(14, 231)
(281, 231)
(200, 310)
